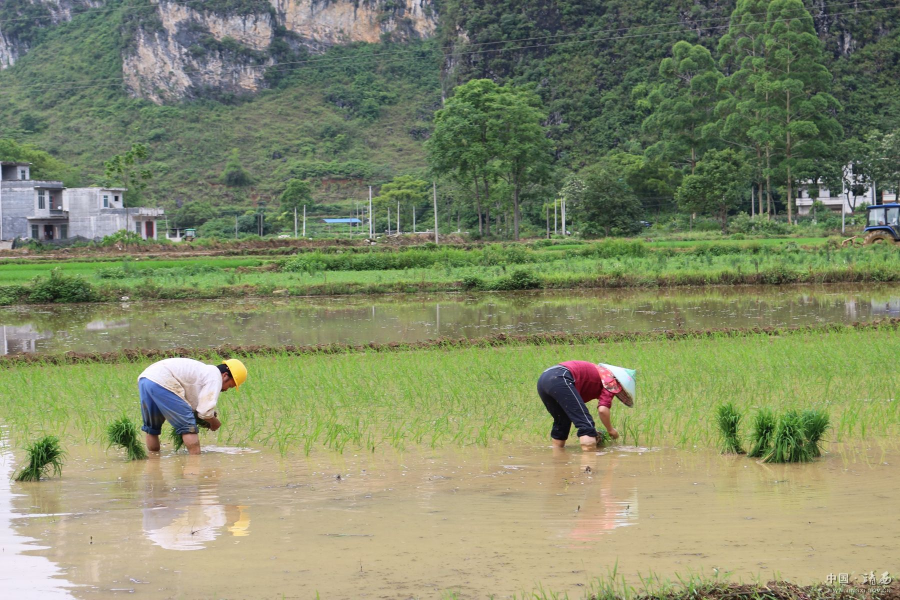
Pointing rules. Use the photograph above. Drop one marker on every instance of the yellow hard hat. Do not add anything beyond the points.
(238, 370)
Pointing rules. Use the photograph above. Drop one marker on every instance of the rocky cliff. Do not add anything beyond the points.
(174, 49)
(21, 19)
(190, 51)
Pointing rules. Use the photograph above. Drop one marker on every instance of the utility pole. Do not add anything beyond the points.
(555, 202)
(295, 222)
(547, 216)
(414, 219)
(389, 220)
(371, 226)
(563, 214)
(304, 220)
(434, 187)
(398, 217)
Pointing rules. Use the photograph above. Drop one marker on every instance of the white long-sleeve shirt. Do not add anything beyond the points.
(195, 382)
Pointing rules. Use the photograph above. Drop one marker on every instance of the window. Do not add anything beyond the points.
(137, 227)
(116, 199)
(63, 232)
(892, 216)
(34, 232)
(23, 174)
(876, 217)
(42, 200)
(105, 201)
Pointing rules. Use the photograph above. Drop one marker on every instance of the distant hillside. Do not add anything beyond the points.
(342, 92)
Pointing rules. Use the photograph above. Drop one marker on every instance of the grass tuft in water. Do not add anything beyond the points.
(815, 423)
(44, 454)
(790, 443)
(729, 420)
(123, 432)
(763, 432)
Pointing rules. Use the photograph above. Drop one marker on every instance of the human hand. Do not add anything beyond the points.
(588, 442)
(214, 423)
(613, 433)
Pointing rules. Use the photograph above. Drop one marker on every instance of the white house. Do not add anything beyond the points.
(839, 199)
(46, 210)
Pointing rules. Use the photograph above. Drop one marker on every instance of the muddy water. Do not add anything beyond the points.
(239, 524)
(104, 328)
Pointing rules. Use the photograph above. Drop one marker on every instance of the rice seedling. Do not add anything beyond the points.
(815, 423)
(43, 455)
(178, 441)
(729, 420)
(763, 431)
(123, 432)
(437, 395)
(790, 443)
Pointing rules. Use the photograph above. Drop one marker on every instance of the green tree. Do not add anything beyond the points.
(461, 146)
(128, 170)
(683, 105)
(522, 150)
(296, 194)
(195, 213)
(742, 120)
(716, 187)
(604, 204)
(796, 85)
(405, 190)
(881, 161)
(43, 165)
(234, 174)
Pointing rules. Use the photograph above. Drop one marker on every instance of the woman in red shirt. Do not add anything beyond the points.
(566, 387)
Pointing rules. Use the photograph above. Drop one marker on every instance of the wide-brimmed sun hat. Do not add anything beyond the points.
(625, 377)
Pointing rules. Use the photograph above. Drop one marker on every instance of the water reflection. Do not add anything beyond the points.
(188, 515)
(23, 575)
(360, 319)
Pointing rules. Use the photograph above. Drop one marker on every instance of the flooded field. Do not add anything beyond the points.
(358, 319)
(466, 523)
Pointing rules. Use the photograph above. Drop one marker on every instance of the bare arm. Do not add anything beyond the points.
(603, 412)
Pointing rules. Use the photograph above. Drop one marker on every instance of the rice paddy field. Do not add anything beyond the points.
(427, 473)
(490, 268)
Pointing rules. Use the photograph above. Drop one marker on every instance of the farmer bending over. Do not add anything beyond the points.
(566, 387)
(180, 390)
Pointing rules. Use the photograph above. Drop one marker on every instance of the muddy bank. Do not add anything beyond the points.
(499, 340)
(776, 590)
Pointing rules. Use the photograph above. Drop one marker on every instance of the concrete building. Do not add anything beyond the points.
(19, 195)
(839, 200)
(45, 210)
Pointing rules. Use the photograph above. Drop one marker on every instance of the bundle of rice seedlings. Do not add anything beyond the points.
(178, 441)
(790, 443)
(729, 420)
(763, 432)
(43, 454)
(815, 422)
(124, 433)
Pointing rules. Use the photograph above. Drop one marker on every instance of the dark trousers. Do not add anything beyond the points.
(556, 387)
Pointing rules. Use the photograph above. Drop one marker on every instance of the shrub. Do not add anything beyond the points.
(61, 288)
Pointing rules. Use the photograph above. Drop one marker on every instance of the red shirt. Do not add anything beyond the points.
(588, 382)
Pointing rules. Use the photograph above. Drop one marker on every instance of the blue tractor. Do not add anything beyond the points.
(883, 224)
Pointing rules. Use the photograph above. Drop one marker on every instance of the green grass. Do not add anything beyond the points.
(608, 264)
(43, 455)
(483, 396)
(763, 431)
(124, 433)
(729, 420)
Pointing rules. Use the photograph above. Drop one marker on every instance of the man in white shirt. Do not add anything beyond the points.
(180, 390)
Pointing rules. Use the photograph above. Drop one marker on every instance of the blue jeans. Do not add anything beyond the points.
(159, 405)
(556, 387)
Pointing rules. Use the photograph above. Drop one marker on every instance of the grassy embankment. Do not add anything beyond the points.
(484, 395)
(608, 264)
